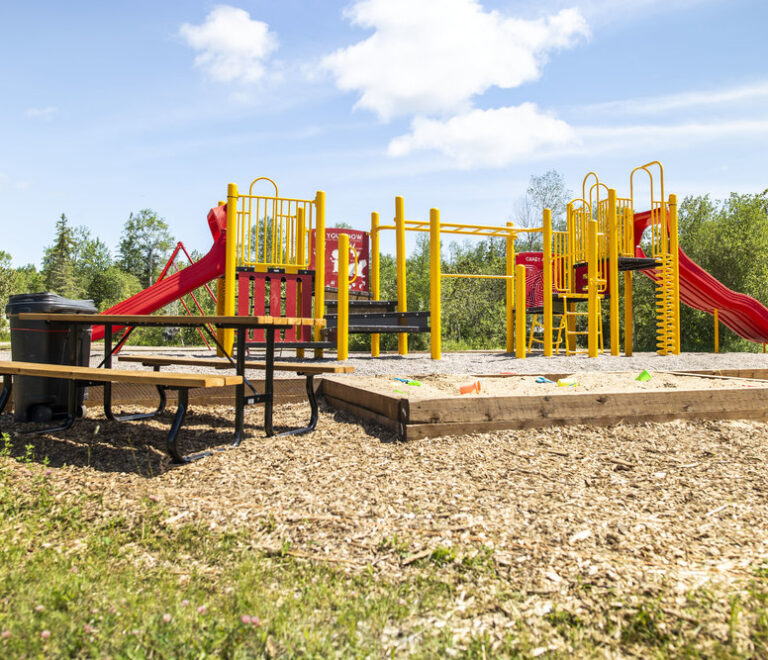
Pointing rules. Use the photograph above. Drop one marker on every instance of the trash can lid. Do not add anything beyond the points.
(47, 303)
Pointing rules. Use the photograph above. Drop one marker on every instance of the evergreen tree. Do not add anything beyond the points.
(58, 263)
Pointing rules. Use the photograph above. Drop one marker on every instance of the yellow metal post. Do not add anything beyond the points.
(301, 261)
(319, 263)
(592, 306)
(717, 330)
(342, 328)
(220, 294)
(230, 264)
(547, 281)
(628, 327)
(520, 311)
(613, 270)
(402, 303)
(510, 289)
(375, 285)
(434, 283)
(675, 254)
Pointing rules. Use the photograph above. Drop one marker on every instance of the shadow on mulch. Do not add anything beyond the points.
(137, 447)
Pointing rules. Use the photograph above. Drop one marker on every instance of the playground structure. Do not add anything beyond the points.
(599, 241)
(269, 265)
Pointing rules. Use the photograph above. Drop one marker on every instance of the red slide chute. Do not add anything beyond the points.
(747, 317)
(179, 284)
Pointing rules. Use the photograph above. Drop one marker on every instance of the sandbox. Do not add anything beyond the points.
(436, 406)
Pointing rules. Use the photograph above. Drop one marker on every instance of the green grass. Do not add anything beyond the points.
(80, 580)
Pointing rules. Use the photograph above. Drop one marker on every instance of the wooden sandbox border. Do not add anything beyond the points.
(437, 417)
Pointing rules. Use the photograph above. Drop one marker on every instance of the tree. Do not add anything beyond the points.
(6, 288)
(91, 259)
(144, 246)
(112, 285)
(58, 263)
(545, 191)
(27, 279)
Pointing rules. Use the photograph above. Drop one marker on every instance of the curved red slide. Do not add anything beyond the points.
(179, 284)
(746, 316)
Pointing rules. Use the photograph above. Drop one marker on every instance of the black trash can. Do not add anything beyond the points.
(43, 399)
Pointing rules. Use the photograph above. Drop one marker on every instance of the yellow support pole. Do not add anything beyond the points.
(375, 284)
(628, 328)
(301, 261)
(613, 270)
(510, 289)
(342, 328)
(520, 311)
(319, 264)
(592, 306)
(434, 284)
(402, 303)
(717, 330)
(220, 294)
(547, 282)
(230, 264)
(675, 253)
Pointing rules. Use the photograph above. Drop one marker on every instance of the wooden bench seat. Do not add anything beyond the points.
(66, 372)
(92, 376)
(215, 363)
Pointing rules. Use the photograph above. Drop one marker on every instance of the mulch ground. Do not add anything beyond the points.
(648, 508)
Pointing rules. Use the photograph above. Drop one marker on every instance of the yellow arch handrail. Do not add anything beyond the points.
(262, 178)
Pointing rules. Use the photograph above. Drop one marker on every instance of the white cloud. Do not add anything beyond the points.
(44, 114)
(487, 138)
(6, 183)
(433, 56)
(665, 134)
(681, 101)
(232, 45)
(605, 12)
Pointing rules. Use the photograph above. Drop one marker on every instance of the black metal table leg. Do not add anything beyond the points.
(269, 381)
(313, 406)
(178, 420)
(109, 413)
(240, 390)
(107, 394)
(5, 395)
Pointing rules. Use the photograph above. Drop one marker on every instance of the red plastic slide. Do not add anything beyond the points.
(747, 317)
(179, 284)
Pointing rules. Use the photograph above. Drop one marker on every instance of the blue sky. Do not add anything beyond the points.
(111, 107)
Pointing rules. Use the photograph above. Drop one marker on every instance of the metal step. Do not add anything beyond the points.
(385, 318)
(293, 344)
(365, 306)
(377, 329)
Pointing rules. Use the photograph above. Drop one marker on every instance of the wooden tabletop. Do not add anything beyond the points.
(173, 320)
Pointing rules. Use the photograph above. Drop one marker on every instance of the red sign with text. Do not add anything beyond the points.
(358, 242)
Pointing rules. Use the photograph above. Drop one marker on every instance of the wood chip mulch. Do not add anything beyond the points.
(626, 509)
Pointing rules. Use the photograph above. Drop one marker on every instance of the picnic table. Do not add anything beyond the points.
(104, 375)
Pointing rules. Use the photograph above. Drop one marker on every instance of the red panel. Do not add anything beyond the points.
(290, 305)
(275, 282)
(258, 302)
(306, 305)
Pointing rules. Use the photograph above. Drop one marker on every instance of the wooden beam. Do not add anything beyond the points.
(296, 367)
